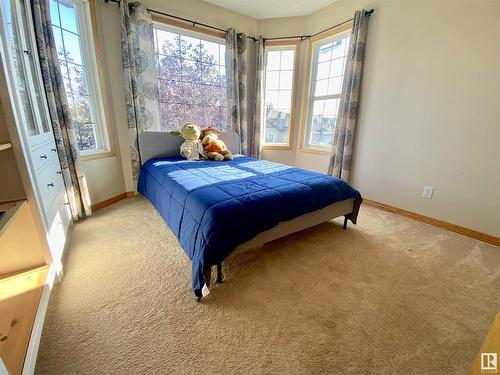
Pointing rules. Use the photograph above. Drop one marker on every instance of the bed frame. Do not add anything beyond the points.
(157, 144)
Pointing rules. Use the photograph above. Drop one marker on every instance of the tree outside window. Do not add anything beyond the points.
(192, 80)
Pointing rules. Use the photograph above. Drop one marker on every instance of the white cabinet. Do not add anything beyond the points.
(27, 95)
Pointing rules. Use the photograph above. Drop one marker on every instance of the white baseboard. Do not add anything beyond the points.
(36, 333)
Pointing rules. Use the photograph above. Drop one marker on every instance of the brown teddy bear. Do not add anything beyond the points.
(215, 149)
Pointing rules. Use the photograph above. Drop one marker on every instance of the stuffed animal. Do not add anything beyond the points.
(191, 149)
(215, 149)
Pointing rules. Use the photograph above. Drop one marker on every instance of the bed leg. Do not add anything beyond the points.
(207, 272)
(219, 273)
(345, 223)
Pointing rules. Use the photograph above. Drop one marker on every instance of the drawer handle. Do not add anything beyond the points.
(50, 185)
(3, 338)
(59, 172)
(53, 150)
(43, 156)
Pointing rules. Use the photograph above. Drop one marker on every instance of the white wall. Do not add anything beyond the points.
(430, 107)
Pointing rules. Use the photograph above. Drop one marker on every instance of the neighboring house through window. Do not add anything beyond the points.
(71, 23)
(280, 69)
(191, 77)
(328, 61)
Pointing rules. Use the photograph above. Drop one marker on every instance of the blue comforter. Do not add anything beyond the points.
(212, 207)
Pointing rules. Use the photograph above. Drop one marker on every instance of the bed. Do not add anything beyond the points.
(216, 209)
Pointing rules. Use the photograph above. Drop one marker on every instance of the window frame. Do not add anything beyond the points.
(189, 30)
(87, 20)
(336, 33)
(280, 45)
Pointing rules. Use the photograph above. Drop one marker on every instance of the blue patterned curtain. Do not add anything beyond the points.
(236, 45)
(139, 71)
(62, 125)
(340, 159)
(258, 115)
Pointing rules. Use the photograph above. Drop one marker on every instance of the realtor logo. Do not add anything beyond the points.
(489, 362)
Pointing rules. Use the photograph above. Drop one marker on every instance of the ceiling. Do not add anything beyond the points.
(260, 9)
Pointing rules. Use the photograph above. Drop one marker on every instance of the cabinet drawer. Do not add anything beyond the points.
(59, 208)
(57, 223)
(43, 155)
(49, 182)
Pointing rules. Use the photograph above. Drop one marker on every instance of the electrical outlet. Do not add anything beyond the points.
(428, 190)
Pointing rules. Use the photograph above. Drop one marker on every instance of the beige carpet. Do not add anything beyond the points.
(388, 296)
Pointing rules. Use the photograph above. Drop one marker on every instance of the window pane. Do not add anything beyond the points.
(321, 87)
(166, 43)
(191, 71)
(78, 79)
(273, 60)
(272, 80)
(82, 106)
(285, 100)
(287, 57)
(331, 107)
(286, 80)
(86, 136)
(340, 48)
(337, 67)
(278, 95)
(59, 42)
(72, 44)
(318, 106)
(192, 83)
(272, 98)
(222, 54)
(190, 47)
(330, 65)
(169, 67)
(84, 123)
(69, 20)
(54, 13)
(323, 70)
(335, 86)
(325, 53)
(210, 52)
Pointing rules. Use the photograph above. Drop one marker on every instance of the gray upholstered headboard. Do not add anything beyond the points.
(159, 144)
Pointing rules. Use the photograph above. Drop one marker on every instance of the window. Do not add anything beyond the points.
(328, 66)
(71, 23)
(279, 89)
(192, 77)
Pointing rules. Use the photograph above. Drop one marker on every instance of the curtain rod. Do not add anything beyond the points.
(192, 22)
(368, 13)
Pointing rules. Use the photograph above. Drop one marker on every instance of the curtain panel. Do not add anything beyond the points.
(236, 45)
(62, 125)
(258, 115)
(140, 79)
(340, 159)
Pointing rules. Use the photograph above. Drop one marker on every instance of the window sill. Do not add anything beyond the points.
(96, 155)
(310, 150)
(277, 147)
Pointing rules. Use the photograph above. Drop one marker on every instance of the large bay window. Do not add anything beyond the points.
(328, 60)
(280, 68)
(191, 77)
